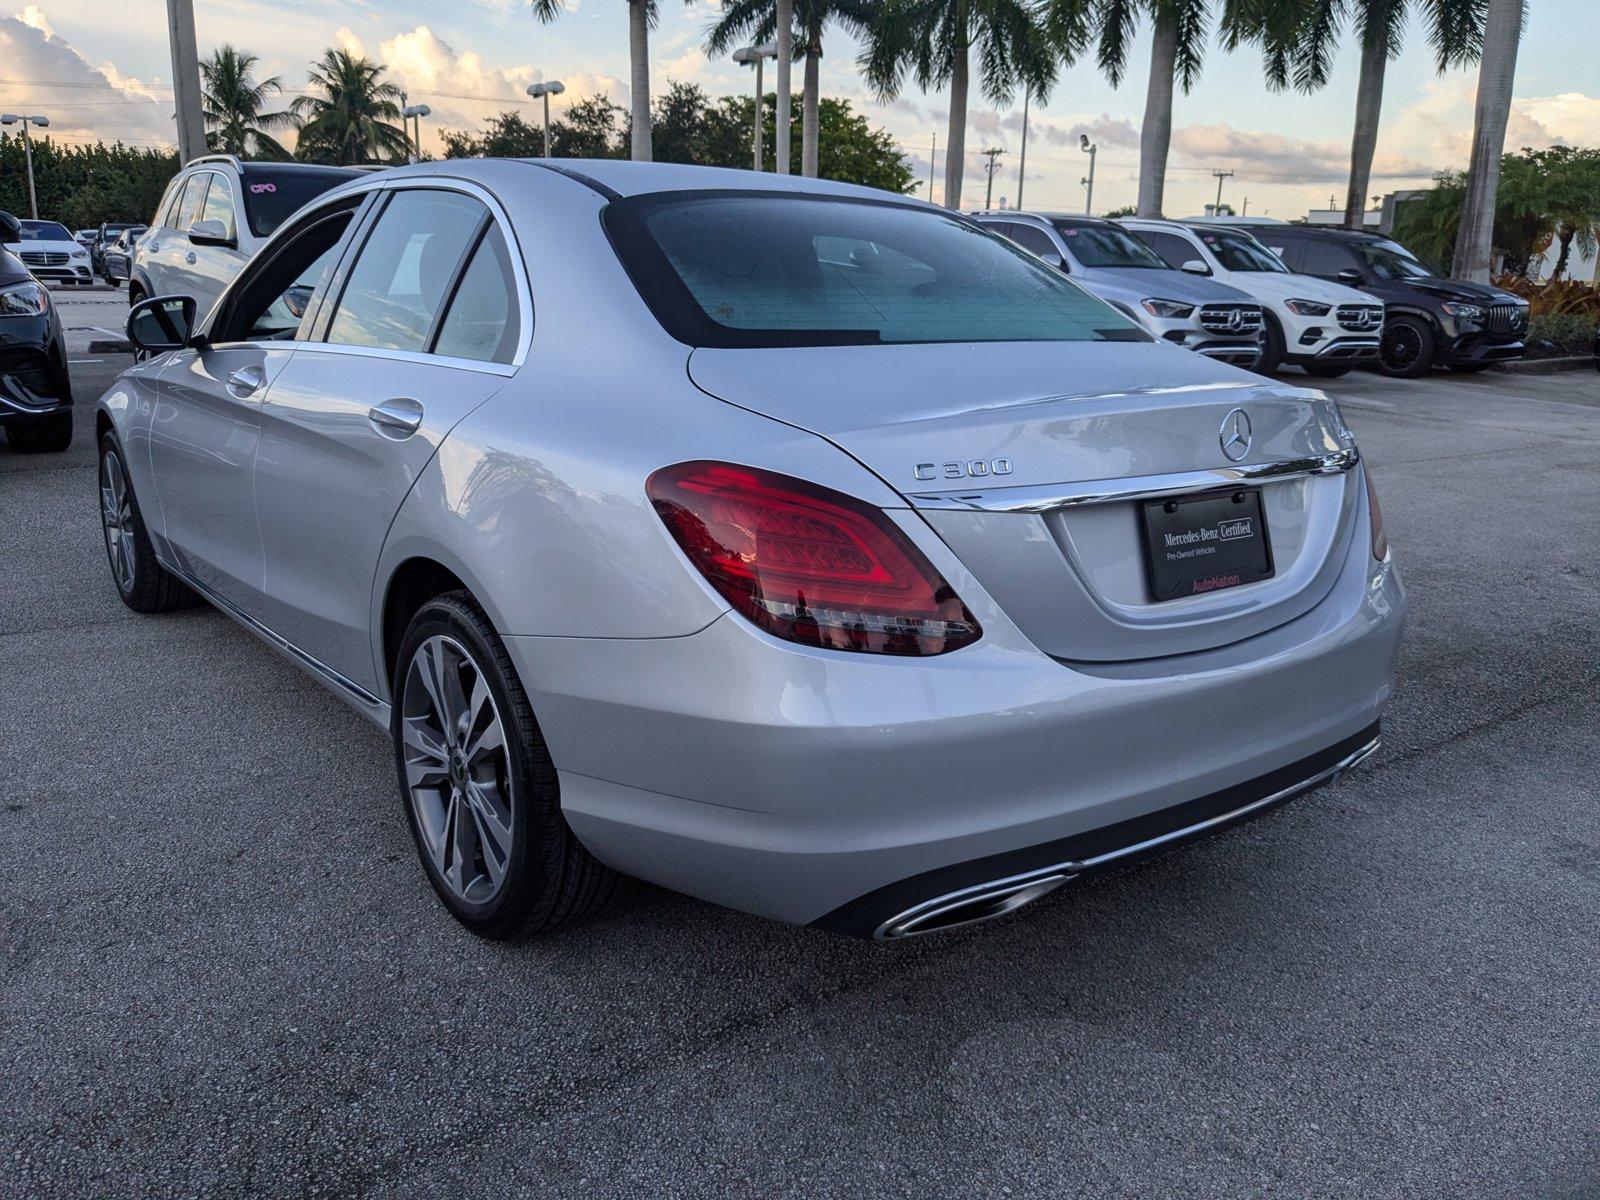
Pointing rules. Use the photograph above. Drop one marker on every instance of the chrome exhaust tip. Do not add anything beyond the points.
(970, 906)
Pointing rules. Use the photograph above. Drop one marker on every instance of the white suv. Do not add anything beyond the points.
(1326, 328)
(214, 215)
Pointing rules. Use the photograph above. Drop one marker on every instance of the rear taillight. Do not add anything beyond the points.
(1380, 540)
(809, 564)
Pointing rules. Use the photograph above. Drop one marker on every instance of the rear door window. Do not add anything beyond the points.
(1033, 239)
(405, 271)
(1325, 259)
(1287, 247)
(482, 321)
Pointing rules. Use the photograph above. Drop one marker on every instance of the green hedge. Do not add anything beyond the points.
(1569, 334)
(82, 185)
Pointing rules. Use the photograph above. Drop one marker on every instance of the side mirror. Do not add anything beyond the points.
(161, 323)
(1195, 267)
(10, 229)
(1351, 276)
(1051, 259)
(211, 233)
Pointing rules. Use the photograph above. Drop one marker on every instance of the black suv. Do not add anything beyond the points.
(1432, 321)
(35, 392)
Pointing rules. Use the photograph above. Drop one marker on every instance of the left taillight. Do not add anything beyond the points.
(809, 564)
(1380, 539)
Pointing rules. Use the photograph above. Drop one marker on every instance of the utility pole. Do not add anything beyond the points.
(1022, 162)
(1245, 211)
(993, 154)
(1220, 175)
(186, 96)
(933, 153)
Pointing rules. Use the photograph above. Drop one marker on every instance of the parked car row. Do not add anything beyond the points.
(792, 544)
(1326, 300)
(35, 389)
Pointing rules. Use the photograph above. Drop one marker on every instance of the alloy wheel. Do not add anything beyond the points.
(1400, 348)
(458, 780)
(116, 514)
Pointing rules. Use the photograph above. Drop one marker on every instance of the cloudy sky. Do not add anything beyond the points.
(99, 70)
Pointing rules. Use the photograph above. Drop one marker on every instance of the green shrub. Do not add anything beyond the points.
(1569, 333)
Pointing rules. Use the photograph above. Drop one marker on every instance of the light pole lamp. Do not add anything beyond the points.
(26, 119)
(545, 90)
(756, 55)
(409, 113)
(1090, 149)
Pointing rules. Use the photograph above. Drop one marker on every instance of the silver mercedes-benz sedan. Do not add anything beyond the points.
(801, 547)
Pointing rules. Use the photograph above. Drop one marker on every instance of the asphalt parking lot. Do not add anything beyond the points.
(223, 970)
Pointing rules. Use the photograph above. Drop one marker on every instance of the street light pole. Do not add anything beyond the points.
(27, 149)
(745, 56)
(186, 94)
(545, 90)
(1022, 162)
(1221, 175)
(1091, 150)
(408, 114)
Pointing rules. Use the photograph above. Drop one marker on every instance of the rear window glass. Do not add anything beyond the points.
(736, 269)
(272, 195)
(45, 231)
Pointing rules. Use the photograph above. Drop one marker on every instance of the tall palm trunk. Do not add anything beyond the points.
(639, 56)
(785, 114)
(1502, 30)
(1369, 100)
(955, 141)
(810, 116)
(1155, 138)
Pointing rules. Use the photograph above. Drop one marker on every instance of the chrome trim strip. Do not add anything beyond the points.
(1046, 497)
(328, 675)
(1021, 887)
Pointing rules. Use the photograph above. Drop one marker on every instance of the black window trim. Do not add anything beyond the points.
(680, 315)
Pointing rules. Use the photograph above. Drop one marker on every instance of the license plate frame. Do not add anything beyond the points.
(1208, 542)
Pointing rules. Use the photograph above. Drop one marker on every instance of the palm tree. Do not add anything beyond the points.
(934, 41)
(1302, 45)
(1502, 31)
(641, 19)
(756, 21)
(347, 117)
(235, 102)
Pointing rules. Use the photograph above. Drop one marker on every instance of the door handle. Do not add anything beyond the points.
(246, 380)
(153, 247)
(398, 418)
(190, 258)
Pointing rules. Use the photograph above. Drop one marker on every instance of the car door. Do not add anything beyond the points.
(209, 269)
(429, 320)
(207, 423)
(164, 252)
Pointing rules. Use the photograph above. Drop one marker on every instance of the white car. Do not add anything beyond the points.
(216, 212)
(53, 255)
(1326, 328)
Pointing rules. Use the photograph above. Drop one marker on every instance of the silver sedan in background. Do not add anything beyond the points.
(801, 547)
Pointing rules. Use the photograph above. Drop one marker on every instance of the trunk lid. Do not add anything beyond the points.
(983, 437)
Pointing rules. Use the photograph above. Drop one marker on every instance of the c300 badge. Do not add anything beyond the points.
(973, 468)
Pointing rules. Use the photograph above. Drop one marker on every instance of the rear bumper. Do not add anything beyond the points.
(801, 784)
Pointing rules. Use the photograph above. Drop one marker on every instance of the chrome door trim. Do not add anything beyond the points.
(904, 924)
(1043, 498)
(362, 700)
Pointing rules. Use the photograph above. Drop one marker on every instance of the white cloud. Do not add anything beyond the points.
(81, 100)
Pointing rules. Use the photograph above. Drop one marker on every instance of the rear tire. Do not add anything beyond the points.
(143, 583)
(478, 785)
(1271, 348)
(48, 435)
(1407, 348)
(1326, 370)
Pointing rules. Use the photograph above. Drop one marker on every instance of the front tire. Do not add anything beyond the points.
(46, 435)
(1407, 348)
(143, 583)
(1272, 348)
(478, 784)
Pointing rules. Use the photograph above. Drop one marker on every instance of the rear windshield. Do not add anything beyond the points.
(271, 195)
(44, 231)
(1240, 252)
(1109, 246)
(764, 269)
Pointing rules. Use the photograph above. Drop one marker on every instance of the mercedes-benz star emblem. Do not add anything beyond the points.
(1236, 319)
(1235, 435)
